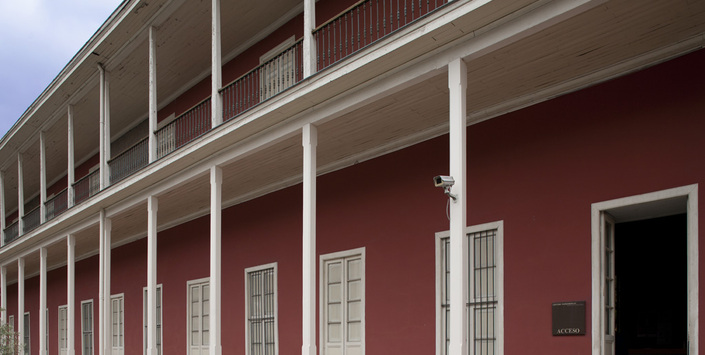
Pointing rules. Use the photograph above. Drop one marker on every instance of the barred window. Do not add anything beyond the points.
(261, 305)
(484, 255)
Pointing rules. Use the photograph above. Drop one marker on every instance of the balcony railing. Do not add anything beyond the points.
(86, 187)
(364, 23)
(129, 161)
(31, 219)
(185, 128)
(57, 204)
(264, 81)
(12, 232)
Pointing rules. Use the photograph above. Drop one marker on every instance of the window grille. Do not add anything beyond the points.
(261, 311)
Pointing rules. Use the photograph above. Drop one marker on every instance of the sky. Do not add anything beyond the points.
(37, 39)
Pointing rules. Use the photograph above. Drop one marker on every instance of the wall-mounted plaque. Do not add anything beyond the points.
(569, 318)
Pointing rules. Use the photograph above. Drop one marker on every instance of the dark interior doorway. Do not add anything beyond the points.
(651, 281)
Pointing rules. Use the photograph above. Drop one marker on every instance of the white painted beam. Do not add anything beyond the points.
(309, 54)
(216, 66)
(457, 84)
(71, 294)
(3, 294)
(20, 303)
(216, 179)
(101, 131)
(152, 94)
(42, 300)
(42, 177)
(71, 159)
(3, 223)
(20, 196)
(152, 208)
(309, 142)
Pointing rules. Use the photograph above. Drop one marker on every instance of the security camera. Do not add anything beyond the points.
(446, 182)
(443, 181)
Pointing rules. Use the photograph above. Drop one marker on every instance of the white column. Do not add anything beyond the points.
(309, 141)
(70, 169)
(20, 196)
(457, 83)
(104, 325)
(42, 177)
(20, 302)
(42, 300)
(3, 223)
(216, 66)
(71, 294)
(152, 94)
(152, 207)
(215, 261)
(309, 56)
(3, 294)
(104, 134)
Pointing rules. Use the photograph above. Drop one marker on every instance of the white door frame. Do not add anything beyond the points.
(684, 199)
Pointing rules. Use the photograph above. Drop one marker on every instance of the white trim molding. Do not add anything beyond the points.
(648, 205)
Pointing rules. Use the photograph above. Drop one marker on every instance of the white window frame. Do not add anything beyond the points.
(117, 349)
(499, 287)
(248, 336)
(84, 330)
(271, 81)
(324, 259)
(11, 322)
(199, 349)
(160, 316)
(27, 340)
(653, 201)
(62, 329)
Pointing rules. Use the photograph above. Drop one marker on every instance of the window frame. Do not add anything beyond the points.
(200, 282)
(89, 303)
(64, 325)
(160, 318)
(322, 329)
(117, 349)
(26, 334)
(271, 82)
(498, 282)
(248, 271)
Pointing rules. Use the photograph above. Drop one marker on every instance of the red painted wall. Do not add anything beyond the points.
(538, 169)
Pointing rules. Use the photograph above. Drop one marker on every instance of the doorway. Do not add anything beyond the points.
(645, 274)
(651, 286)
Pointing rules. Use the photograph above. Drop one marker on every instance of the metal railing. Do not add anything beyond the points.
(185, 128)
(364, 23)
(31, 219)
(264, 81)
(86, 187)
(129, 161)
(12, 232)
(57, 204)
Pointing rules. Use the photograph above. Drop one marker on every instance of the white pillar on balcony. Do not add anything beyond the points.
(216, 67)
(71, 294)
(309, 142)
(215, 261)
(309, 54)
(42, 178)
(457, 84)
(42, 300)
(20, 196)
(104, 134)
(3, 223)
(152, 207)
(20, 302)
(71, 160)
(3, 294)
(152, 94)
(104, 338)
